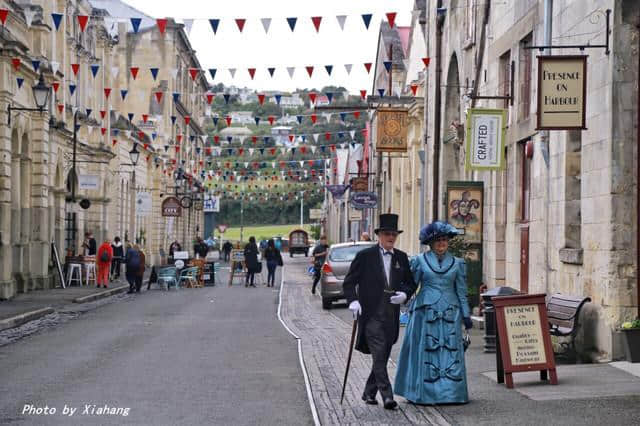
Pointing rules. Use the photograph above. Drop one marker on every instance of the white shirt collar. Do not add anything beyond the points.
(382, 250)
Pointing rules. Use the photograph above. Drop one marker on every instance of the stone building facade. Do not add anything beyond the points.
(82, 65)
(561, 215)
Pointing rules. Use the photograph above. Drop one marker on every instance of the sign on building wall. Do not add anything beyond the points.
(391, 131)
(90, 182)
(143, 204)
(212, 204)
(359, 184)
(355, 214)
(562, 88)
(171, 207)
(465, 209)
(485, 139)
(316, 213)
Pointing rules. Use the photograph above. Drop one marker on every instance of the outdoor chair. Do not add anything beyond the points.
(190, 275)
(168, 276)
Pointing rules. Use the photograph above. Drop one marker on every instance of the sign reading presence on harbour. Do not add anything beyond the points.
(524, 342)
(485, 139)
(392, 129)
(171, 207)
(562, 88)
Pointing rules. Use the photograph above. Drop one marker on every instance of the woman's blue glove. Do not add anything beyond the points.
(467, 323)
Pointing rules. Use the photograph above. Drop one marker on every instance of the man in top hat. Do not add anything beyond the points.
(378, 282)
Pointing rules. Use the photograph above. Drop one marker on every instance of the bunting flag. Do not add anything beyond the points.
(134, 72)
(292, 23)
(252, 72)
(329, 68)
(36, 65)
(162, 25)
(20, 82)
(291, 70)
(72, 89)
(194, 73)
(266, 23)
(232, 71)
(135, 24)
(260, 99)
(381, 91)
(56, 18)
(391, 18)
(154, 73)
(309, 70)
(426, 61)
(347, 68)
(123, 93)
(316, 22)
(107, 92)
(387, 65)
(214, 25)
(414, 89)
(212, 72)
(82, 21)
(271, 71)
(75, 68)
(367, 66)
(278, 99)
(210, 97)
(94, 69)
(240, 23)
(16, 63)
(341, 20)
(366, 18)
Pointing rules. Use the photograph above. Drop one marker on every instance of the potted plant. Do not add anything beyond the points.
(631, 332)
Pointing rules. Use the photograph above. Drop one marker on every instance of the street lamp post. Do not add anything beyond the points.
(301, 208)
(40, 94)
(134, 156)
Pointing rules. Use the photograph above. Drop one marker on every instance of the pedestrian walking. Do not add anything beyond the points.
(226, 250)
(141, 269)
(251, 261)
(133, 264)
(89, 245)
(318, 256)
(274, 259)
(200, 249)
(365, 236)
(104, 258)
(431, 367)
(118, 257)
(378, 282)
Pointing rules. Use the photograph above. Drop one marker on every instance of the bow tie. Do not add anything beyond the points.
(388, 253)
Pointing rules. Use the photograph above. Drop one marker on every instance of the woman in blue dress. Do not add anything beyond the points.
(431, 368)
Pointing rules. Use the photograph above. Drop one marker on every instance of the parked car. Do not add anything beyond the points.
(298, 242)
(335, 268)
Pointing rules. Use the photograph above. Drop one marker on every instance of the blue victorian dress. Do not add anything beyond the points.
(431, 367)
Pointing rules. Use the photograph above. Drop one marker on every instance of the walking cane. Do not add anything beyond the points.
(346, 372)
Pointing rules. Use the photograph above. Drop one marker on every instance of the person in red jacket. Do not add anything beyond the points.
(104, 258)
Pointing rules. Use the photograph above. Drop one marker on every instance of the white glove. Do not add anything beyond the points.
(355, 309)
(399, 298)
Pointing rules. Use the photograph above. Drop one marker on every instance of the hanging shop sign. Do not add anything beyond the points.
(524, 342)
(355, 214)
(562, 90)
(212, 204)
(391, 131)
(337, 190)
(90, 182)
(465, 209)
(359, 184)
(316, 213)
(171, 207)
(486, 130)
(364, 200)
(143, 204)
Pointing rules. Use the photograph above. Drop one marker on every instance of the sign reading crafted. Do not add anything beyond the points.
(562, 88)
(485, 139)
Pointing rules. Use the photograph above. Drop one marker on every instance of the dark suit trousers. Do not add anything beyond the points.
(378, 332)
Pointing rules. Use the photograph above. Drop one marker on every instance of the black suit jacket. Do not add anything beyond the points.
(365, 282)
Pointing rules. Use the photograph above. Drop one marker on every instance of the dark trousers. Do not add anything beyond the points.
(271, 272)
(250, 274)
(135, 282)
(316, 278)
(377, 332)
(226, 255)
(115, 267)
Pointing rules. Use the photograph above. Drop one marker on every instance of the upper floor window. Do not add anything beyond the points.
(470, 22)
(524, 78)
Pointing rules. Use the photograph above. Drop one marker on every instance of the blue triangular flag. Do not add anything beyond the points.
(387, 65)
(265, 139)
(213, 71)
(304, 138)
(299, 118)
(278, 99)
(257, 119)
(323, 148)
(261, 151)
(381, 91)
(166, 148)
(329, 68)
(229, 139)
(366, 17)
(226, 97)
(292, 23)
(192, 138)
(57, 19)
(116, 132)
(123, 93)
(135, 23)
(154, 136)
(329, 96)
(215, 121)
(89, 111)
(214, 25)
(343, 116)
(21, 81)
(130, 115)
(36, 64)
(271, 71)
(94, 69)
(78, 127)
(176, 96)
(230, 150)
(72, 89)
(173, 119)
(341, 135)
(293, 151)
(154, 73)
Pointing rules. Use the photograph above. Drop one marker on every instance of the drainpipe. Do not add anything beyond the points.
(436, 116)
(548, 27)
(638, 189)
(424, 176)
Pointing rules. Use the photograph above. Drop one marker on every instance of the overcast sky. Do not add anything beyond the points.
(281, 48)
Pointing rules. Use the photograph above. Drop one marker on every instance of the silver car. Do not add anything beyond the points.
(335, 268)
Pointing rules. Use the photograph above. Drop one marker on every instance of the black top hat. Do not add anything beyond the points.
(388, 222)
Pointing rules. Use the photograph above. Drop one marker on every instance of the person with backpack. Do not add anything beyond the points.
(104, 258)
(274, 259)
(133, 263)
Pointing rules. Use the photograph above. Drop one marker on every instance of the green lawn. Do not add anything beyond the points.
(261, 232)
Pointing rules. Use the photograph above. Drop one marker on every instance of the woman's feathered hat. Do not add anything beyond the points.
(435, 230)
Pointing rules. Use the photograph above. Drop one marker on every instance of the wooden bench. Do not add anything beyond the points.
(564, 314)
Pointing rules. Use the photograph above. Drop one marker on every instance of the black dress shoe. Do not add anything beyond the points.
(390, 404)
(371, 400)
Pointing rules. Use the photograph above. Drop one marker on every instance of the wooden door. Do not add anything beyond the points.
(526, 152)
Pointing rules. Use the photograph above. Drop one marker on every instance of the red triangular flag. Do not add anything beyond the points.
(187, 120)
(216, 138)
(82, 20)
(316, 22)
(107, 92)
(103, 130)
(146, 146)
(56, 86)
(356, 114)
(134, 72)
(115, 141)
(303, 149)
(240, 151)
(240, 23)
(367, 65)
(309, 70)
(426, 61)
(414, 89)
(194, 73)
(314, 118)
(162, 25)
(228, 119)
(291, 138)
(312, 96)
(177, 148)
(327, 135)
(271, 119)
(3, 15)
(75, 68)
(210, 97)
(140, 135)
(103, 114)
(178, 139)
(60, 108)
(145, 117)
(16, 63)
(254, 139)
(363, 94)
(159, 96)
(261, 99)
(391, 17)
(252, 72)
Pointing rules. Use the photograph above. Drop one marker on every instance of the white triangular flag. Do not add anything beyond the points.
(29, 14)
(173, 72)
(242, 138)
(291, 70)
(232, 71)
(371, 112)
(343, 145)
(315, 137)
(193, 98)
(352, 133)
(251, 151)
(327, 115)
(114, 71)
(341, 20)
(313, 149)
(204, 139)
(266, 23)
(347, 67)
(246, 164)
(283, 150)
(188, 24)
(55, 66)
(301, 164)
(273, 165)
